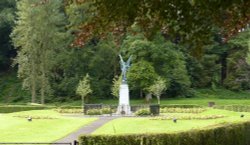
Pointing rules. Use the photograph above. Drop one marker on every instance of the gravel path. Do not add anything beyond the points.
(88, 129)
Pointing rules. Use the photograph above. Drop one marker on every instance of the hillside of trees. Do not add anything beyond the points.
(46, 49)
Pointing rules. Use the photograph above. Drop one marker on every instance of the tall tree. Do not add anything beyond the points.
(7, 14)
(38, 35)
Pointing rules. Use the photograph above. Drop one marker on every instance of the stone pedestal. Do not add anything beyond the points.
(124, 107)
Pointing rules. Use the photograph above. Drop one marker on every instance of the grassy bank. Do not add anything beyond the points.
(46, 126)
(161, 125)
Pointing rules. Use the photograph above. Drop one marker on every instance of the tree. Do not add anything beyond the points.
(7, 16)
(116, 86)
(166, 58)
(39, 36)
(159, 86)
(192, 20)
(141, 75)
(84, 88)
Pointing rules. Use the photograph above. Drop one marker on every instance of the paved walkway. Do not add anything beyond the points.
(88, 129)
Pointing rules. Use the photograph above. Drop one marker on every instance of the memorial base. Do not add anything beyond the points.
(124, 107)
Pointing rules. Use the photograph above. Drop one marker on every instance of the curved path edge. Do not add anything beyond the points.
(87, 129)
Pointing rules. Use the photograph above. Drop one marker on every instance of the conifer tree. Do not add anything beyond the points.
(39, 35)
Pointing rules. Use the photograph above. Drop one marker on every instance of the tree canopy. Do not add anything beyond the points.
(189, 44)
(190, 20)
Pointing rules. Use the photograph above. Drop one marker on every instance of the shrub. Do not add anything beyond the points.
(35, 117)
(10, 109)
(181, 106)
(106, 111)
(73, 111)
(188, 117)
(70, 107)
(182, 110)
(229, 134)
(142, 112)
(94, 112)
(236, 108)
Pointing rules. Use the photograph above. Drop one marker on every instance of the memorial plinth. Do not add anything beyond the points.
(124, 107)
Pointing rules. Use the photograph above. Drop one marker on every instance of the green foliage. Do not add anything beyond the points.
(84, 88)
(11, 89)
(142, 112)
(236, 108)
(71, 111)
(181, 106)
(106, 110)
(94, 112)
(238, 70)
(103, 67)
(165, 57)
(7, 16)
(191, 21)
(116, 86)
(181, 110)
(38, 36)
(10, 109)
(141, 75)
(228, 134)
(158, 88)
(187, 117)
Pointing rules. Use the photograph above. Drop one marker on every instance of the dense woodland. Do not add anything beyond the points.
(50, 45)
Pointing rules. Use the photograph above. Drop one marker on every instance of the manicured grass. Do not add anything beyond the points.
(147, 125)
(196, 101)
(50, 127)
(204, 101)
(200, 97)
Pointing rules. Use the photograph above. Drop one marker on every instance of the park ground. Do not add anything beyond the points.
(49, 125)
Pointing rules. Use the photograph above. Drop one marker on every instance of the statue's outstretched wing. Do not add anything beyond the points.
(129, 60)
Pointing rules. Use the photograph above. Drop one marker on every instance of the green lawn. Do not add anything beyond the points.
(48, 127)
(147, 125)
(200, 97)
(196, 101)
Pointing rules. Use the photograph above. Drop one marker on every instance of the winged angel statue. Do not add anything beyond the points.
(124, 67)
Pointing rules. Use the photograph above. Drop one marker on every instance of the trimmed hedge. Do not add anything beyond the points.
(236, 108)
(230, 134)
(142, 112)
(10, 109)
(94, 112)
(70, 107)
(182, 110)
(70, 111)
(181, 106)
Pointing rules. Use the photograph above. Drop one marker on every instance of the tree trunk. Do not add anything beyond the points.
(43, 85)
(223, 67)
(141, 94)
(158, 98)
(148, 97)
(33, 83)
(82, 103)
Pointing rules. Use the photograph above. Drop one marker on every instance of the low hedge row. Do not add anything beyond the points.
(231, 134)
(70, 111)
(10, 109)
(236, 108)
(142, 112)
(182, 110)
(70, 107)
(99, 111)
(181, 106)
